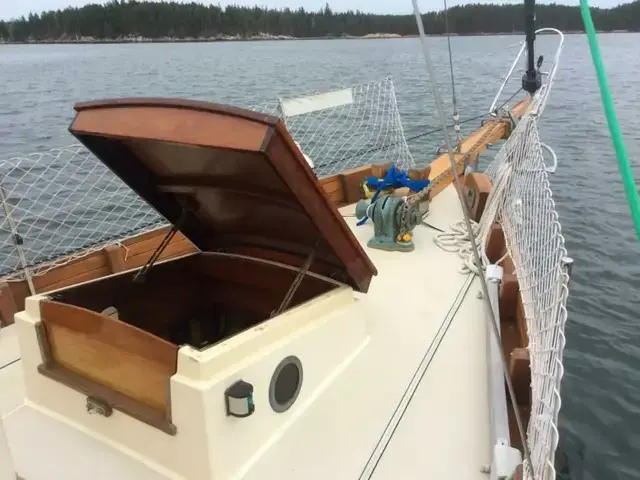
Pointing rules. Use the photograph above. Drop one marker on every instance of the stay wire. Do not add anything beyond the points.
(439, 129)
(477, 117)
(456, 118)
(419, 135)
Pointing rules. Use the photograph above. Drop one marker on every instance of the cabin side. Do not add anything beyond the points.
(186, 408)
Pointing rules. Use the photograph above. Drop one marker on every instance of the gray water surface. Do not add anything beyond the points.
(600, 416)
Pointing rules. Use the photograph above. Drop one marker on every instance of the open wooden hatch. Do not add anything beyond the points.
(234, 178)
(234, 183)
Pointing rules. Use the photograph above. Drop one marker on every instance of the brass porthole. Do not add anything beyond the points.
(286, 383)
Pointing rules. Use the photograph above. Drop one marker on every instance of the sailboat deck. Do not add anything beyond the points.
(420, 311)
(11, 384)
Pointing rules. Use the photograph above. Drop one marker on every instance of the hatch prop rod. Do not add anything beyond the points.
(141, 276)
(297, 281)
(532, 79)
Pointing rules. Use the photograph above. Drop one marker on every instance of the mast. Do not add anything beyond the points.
(532, 79)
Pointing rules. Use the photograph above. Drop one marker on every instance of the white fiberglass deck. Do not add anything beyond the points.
(420, 311)
(444, 432)
(46, 448)
(11, 384)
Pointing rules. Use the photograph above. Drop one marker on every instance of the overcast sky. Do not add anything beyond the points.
(15, 8)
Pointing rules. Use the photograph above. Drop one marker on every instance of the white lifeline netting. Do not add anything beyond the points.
(61, 201)
(347, 128)
(64, 203)
(535, 243)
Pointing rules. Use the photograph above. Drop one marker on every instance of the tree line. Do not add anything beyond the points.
(122, 18)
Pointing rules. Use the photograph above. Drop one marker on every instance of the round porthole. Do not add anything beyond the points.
(286, 382)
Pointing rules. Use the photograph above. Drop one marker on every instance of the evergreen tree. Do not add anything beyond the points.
(119, 18)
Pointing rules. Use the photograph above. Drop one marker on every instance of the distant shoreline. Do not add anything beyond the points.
(256, 38)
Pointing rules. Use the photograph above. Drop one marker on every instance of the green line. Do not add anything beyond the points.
(614, 127)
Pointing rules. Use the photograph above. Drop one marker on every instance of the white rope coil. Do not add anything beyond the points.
(457, 240)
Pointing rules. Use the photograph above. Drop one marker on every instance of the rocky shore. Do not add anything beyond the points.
(217, 38)
(69, 39)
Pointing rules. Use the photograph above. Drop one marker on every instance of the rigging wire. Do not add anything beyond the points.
(456, 117)
(423, 134)
(474, 247)
(439, 129)
(477, 117)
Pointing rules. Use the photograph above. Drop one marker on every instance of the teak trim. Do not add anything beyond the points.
(512, 319)
(116, 400)
(513, 337)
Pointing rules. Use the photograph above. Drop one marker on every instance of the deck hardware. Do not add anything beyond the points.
(110, 311)
(567, 264)
(239, 399)
(394, 220)
(95, 406)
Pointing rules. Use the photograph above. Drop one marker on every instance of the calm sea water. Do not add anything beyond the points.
(600, 417)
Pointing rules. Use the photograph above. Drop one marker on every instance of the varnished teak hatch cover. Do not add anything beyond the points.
(235, 176)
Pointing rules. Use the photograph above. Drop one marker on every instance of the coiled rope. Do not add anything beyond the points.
(458, 240)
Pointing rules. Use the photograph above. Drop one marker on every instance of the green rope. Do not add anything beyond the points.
(614, 127)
